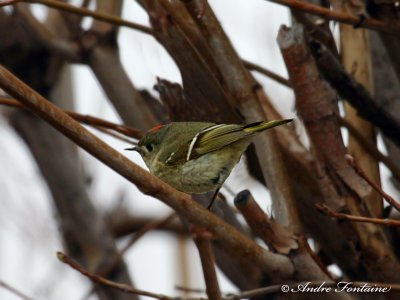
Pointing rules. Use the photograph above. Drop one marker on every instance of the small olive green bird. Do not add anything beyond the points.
(197, 157)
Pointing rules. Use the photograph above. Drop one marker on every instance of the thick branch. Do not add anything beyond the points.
(355, 93)
(272, 264)
(343, 188)
(240, 85)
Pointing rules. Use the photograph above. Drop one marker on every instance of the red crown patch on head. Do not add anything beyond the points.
(156, 128)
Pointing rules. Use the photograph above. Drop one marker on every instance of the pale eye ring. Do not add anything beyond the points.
(149, 147)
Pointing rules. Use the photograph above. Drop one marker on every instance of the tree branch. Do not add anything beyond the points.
(85, 119)
(104, 281)
(341, 216)
(325, 13)
(354, 93)
(242, 295)
(14, 291)
(246, 249)
(371, 148)
(82, 11)
(375, 186)
(202, 238)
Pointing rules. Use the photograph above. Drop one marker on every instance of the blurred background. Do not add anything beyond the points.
(162, 259)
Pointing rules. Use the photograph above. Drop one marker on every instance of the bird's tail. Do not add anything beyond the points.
(260, 126)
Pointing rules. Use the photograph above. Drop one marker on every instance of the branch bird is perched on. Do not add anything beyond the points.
(197, 157)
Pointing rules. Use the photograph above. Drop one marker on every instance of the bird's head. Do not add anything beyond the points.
(149, 144)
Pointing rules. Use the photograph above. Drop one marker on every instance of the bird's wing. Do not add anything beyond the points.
(207, 140)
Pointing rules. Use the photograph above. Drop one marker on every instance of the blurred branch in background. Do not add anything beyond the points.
(346, 191)
(14, 291)
(246, 250)
(300, 243)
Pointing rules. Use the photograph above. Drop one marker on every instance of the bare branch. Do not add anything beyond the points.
(371, 148)
(243, 295)
(85, 119)
(354, 93)
(342, 188)
(107, 267)
(266, 72)
(104, 281)
(272, 233)
(375, 186)
(341, 216)
(325, 13)
(202, 238)
(296, 285)
(82, 11)
(246, 249)
(14, 291)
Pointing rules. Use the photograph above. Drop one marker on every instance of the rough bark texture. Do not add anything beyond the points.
(345, 190)
(356, 59)
(218, 87)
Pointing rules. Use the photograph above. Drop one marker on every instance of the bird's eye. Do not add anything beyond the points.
(149, 147)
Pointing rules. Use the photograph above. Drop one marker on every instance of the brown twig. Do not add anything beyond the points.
(106, 268)
(272, 233)
(8, 2)
(115, 135)
(121, 227)
(82, 11)
(246, 294)
(148, 227)
(202, 238)
(86, 119)
(104, 281)
(14, 290)
(266, 72)
(341, 216)
(228, 237)
(121, 22)
(325, 13)
(371, 148)
(296, 285)
(352, 162)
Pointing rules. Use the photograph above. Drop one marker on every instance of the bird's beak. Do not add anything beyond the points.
(132, 149)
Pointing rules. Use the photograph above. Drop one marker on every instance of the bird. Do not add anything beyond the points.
(197, 157)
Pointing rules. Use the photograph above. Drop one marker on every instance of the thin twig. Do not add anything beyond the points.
(266, 72)
(104, 281)
(105, 270)
(352, 162)
(202, 239)
(246, 294)
(228, 237)
(115, 135)
(86, 119)
(14, 290)
(325, 13)
(82, 11)
(370, 147)
(296, 285)
(341, 216)
(189, 290)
